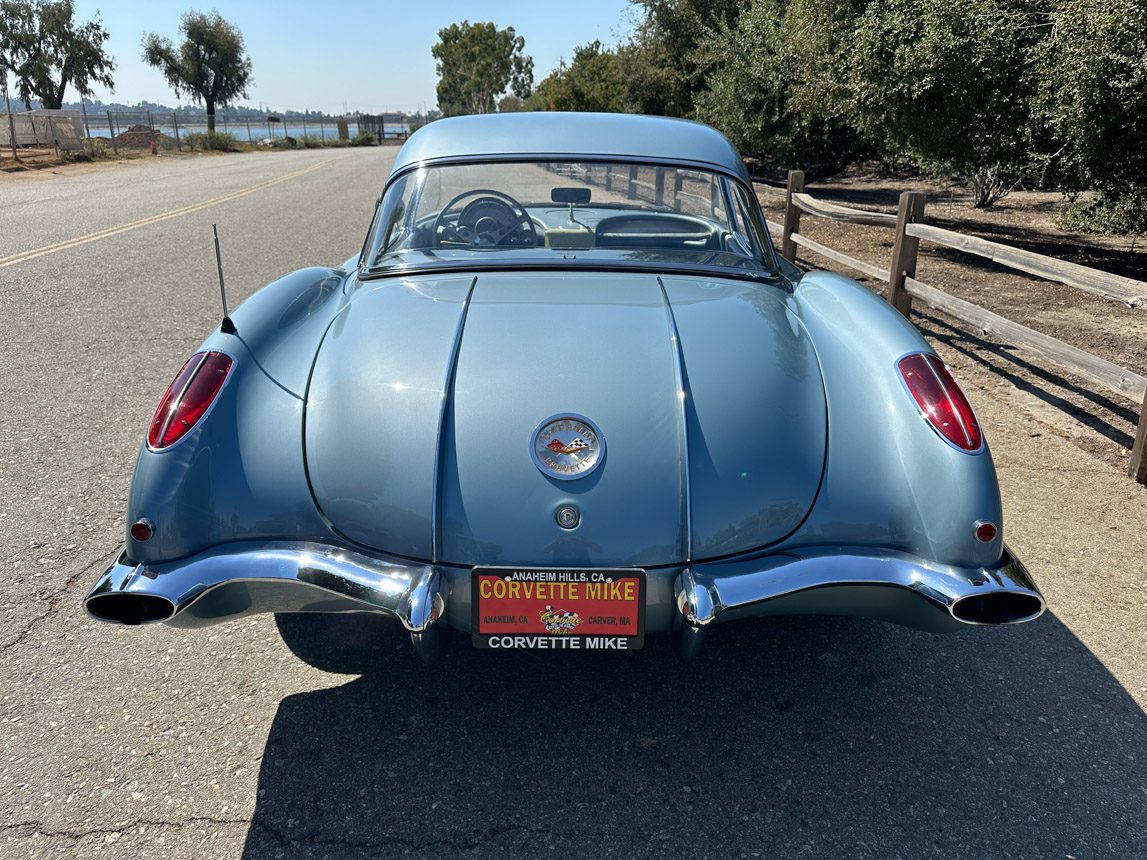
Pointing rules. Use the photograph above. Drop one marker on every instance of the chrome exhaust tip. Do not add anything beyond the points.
(129, 608)
(998, 607)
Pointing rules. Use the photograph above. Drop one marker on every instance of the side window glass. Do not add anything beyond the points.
(393, 219)
(395, 215)
(748, 223)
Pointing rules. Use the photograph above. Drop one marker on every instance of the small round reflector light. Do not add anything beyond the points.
(941, 400)
(188, 397)
(986, 532)
(142, 530)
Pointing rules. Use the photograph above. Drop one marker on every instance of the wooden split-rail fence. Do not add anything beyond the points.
(903, 286)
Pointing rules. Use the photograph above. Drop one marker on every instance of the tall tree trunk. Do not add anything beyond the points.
(58, 96)
(51, 96)
(210, 115)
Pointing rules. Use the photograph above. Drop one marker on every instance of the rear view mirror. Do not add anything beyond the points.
(576, 196)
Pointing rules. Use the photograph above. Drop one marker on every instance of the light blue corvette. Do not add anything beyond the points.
(566, 395)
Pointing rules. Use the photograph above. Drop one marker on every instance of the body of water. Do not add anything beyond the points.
(253, 131)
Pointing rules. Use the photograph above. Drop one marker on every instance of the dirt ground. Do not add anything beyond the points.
(48, 160)
(1097, 420)
(28, 159)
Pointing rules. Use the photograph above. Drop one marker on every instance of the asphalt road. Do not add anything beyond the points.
(806, 737)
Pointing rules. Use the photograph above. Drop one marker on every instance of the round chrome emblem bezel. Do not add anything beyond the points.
(573, 465)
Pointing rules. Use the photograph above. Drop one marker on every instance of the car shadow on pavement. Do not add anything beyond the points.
(818, 737)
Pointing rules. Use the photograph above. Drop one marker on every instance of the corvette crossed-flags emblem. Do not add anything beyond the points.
(561, 447)
(566, 447)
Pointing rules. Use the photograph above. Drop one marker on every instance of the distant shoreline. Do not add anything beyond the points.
(258, 130)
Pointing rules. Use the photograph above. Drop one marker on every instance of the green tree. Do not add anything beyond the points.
(1092, 96)
(476, 64)
(949, 84)
(47, 50)
(773, 84)
(211, 65)
(594, 81)
(661, 69)
(511, 104)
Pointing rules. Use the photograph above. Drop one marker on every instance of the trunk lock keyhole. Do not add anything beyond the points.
(568, 516)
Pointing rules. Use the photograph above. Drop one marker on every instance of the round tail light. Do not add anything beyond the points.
(986, 532)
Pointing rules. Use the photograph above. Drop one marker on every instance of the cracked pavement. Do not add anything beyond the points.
(812, 737)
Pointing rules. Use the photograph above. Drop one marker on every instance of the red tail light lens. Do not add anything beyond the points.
(986, 532)
(190, 395)
(941, 400)
(142, 530)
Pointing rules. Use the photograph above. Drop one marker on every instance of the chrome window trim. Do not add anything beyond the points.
(771, 278)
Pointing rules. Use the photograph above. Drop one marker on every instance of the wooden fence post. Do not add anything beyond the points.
(904, 251)
(631, 189)
(1138, 467)
(792, 215)
(659, 187)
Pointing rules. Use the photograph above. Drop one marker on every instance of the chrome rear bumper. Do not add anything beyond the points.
(239, 579)
(242, 579)
(891, 586)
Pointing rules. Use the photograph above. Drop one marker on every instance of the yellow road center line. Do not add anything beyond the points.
(24, 256)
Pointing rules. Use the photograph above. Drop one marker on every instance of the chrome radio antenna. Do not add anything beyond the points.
(227, 327)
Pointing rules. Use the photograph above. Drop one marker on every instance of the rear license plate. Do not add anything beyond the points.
(565, 608)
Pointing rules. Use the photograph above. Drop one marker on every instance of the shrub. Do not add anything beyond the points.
(217, 141)
(1122, 210)
(363, 138)
(948, 84)
(312, 141)
(1093, 99)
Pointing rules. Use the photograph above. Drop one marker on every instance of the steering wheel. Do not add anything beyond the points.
(492, 219)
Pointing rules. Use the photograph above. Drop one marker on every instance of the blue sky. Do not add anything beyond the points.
(370, 55)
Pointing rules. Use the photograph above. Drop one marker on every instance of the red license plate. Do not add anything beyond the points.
(560, 608)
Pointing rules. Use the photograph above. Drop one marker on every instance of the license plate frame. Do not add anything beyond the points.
(609, 605)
